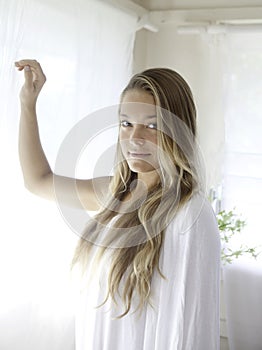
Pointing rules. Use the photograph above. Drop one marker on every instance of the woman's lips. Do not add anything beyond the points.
(138, 154)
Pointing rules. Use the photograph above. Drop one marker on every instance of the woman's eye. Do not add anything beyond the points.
(124, 123)
(152, 126)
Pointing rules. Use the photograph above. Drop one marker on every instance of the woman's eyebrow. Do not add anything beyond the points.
(147, 117)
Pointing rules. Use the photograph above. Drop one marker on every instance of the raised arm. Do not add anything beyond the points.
(38, 175)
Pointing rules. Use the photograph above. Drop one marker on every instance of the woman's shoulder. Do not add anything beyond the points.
(196, 212)
(193, 233)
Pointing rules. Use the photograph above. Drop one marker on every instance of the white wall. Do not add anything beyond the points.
(197, 58)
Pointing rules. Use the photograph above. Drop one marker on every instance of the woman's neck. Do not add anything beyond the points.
(140, 187)
(146, 181)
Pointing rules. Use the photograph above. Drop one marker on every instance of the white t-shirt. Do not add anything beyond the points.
(185, 310)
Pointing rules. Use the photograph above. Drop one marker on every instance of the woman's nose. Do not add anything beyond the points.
(137, 135)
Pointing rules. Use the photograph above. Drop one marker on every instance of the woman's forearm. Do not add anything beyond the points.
(33, 161)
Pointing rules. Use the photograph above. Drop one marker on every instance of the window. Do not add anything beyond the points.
(243, 126)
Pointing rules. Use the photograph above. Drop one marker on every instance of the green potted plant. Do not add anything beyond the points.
(230, 224)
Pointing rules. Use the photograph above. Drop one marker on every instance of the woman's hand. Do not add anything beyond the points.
(34, 81)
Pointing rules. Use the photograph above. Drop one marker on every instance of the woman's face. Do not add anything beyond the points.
(138, 131)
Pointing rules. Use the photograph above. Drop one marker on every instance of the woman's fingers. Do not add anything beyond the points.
(34, 66)
(32, 63)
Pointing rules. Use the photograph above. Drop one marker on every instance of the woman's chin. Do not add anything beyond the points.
(140, 166)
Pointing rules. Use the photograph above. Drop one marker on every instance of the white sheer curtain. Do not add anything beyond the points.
(242, 187)
(85, 48)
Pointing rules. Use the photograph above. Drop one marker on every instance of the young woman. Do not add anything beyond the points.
(150, 257)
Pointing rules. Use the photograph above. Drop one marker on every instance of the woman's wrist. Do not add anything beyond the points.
(28, 107)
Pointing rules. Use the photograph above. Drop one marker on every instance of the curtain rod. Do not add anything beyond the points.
(220, 29)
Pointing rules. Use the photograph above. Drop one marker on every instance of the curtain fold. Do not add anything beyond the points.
(86, 51)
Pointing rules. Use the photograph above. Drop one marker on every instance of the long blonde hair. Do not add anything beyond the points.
(136, 237)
